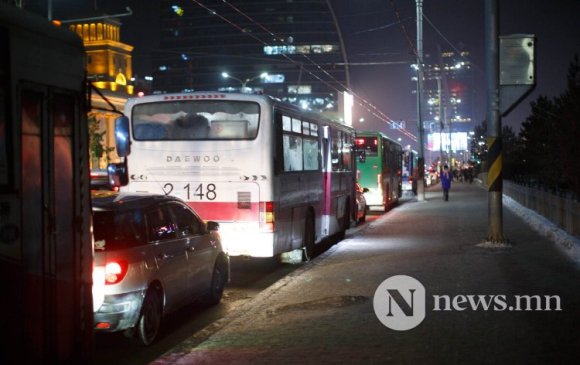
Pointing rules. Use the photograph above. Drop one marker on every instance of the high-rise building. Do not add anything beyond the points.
(450, 75)
(447, 104)
(228, 46)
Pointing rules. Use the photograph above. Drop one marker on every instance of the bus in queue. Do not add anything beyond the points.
(45, 219)
(410, 170)
(379, 168)
(277, 178)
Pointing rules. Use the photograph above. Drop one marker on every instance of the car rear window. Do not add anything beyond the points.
(117, 230)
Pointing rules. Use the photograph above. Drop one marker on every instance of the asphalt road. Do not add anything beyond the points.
(250, 276)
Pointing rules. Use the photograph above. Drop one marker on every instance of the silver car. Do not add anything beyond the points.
(153, 254)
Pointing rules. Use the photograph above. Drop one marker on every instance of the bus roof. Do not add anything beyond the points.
(30, 22)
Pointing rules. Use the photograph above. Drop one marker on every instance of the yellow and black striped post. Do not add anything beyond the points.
(495, 187)
(495, 163)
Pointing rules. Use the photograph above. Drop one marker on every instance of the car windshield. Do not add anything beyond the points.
(196, 120)
(117, 230)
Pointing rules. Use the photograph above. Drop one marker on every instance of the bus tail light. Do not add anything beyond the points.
(115, 271)
(267, 216)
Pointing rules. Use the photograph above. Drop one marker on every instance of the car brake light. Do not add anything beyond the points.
(115, 271)
(267, 216)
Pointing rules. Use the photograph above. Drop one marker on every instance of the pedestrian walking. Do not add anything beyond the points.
(446, 178)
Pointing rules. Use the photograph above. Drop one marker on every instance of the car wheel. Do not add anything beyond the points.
(309, 248)
(150, 318)
(218, 283)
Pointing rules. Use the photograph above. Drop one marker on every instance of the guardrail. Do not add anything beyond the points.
(561, 210)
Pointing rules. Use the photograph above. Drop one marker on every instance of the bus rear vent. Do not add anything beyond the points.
(244, 200)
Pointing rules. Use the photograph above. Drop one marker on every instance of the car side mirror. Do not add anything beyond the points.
(213, 226)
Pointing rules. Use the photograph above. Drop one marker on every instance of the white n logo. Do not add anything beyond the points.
(399, 302)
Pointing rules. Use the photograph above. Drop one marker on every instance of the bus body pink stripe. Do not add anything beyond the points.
(226, 211)
(326, 176)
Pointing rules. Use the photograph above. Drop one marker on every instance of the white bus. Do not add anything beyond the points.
(276, 177)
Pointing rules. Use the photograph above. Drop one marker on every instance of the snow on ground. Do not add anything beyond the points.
(566, 242)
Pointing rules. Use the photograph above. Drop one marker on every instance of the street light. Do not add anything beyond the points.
(244, 88)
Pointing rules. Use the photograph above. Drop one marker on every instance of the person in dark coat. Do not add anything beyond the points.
(446, 178)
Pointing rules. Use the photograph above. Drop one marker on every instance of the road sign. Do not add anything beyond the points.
(517, 77)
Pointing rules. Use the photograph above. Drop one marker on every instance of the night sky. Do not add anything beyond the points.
(373, 34)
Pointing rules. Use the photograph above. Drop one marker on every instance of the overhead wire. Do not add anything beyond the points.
(370, 107)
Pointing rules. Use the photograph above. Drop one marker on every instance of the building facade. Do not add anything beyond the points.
(296, 42)
(109, 69)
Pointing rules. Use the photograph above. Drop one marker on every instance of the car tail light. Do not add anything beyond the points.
(267, 216)
(103, 325)
(115, 271)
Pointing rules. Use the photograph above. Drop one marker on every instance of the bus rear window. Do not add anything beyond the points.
(187, 120)
(367, 144)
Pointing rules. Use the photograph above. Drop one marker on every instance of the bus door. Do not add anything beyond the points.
(326, 181)
(49, 243)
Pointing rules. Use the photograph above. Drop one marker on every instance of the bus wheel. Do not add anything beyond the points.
(308, 251)
(150, 319)
(345, 223)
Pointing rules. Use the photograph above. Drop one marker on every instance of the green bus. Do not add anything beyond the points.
(379, 168)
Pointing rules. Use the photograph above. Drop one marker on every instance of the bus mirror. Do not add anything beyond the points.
(122, 136)
(118, 174)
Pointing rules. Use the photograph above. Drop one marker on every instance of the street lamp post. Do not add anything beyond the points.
(244, 88)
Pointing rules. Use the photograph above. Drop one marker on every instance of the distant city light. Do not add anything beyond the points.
(148, 78)
(177, 10)
(184, 57)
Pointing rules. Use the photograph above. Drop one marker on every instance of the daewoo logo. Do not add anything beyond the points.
(399, 302)
(191, 158)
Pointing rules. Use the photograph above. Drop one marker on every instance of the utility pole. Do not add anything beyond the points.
(421, 158)
(494, 177)
(441, 125)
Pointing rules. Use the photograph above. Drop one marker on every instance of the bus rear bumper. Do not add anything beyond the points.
(255, 244)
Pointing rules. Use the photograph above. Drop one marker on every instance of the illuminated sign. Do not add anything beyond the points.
(436, 140)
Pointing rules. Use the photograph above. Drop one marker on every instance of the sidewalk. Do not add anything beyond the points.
(323, 313)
